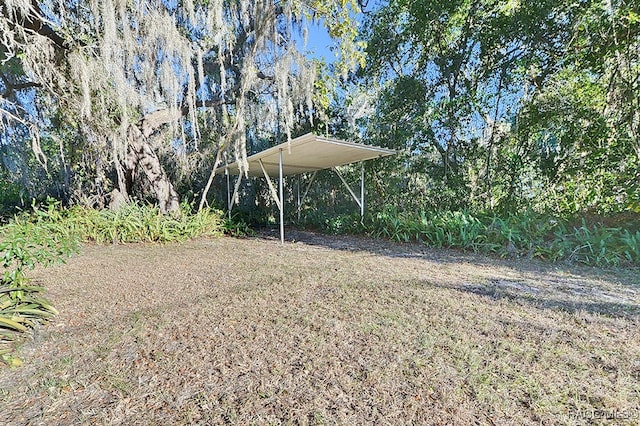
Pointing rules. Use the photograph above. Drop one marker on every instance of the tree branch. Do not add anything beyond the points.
(263, 76)
(150, 122)
(34, 22)
(12, 87)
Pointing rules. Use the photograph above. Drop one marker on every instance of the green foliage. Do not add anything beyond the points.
(28, 241)
(236, 227)
(140, 223)
(507, 105)
(596, 245)
(336, 224)
(49, 234)
(524, 234)
(9, 198)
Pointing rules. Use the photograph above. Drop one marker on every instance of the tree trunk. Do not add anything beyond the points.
(141, 153)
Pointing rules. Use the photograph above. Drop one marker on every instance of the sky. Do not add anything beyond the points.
(319, 43)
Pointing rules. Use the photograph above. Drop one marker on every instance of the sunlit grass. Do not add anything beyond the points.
(250, 331)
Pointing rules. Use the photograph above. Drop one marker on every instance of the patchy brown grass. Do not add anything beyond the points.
(328, 330)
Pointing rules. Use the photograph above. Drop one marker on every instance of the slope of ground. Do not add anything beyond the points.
(326, 330)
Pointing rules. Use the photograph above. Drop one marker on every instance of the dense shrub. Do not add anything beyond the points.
(10, 199)
(140, 223)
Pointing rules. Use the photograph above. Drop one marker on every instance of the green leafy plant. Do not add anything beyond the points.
(631, 246)
(26, 242)
(236, 227)
(526, 233)
(141, 223)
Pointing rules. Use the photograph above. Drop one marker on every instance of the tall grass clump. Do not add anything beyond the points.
(49, 234)
(528, 234)
(596, 245)
(142, 223)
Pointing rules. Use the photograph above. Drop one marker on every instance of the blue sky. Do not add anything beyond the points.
(319, 42)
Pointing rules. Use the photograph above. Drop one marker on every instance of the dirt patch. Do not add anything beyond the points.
(326, 330)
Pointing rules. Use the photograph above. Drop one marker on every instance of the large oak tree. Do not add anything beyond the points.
(115, 81)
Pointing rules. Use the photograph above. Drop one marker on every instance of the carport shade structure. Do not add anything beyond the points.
(308, 153)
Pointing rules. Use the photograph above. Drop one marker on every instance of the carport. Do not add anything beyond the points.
(305, 154)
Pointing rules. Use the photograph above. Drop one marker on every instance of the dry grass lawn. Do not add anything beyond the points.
(326, 330)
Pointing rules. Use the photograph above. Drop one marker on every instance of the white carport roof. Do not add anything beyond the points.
(308, 153)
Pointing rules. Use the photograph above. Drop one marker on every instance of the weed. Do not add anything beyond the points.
(236, 227)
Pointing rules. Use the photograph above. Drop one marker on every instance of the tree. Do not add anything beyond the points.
(132, 77)
(580, 127)
(496, 103)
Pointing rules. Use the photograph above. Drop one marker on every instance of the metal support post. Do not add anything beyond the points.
(274, 193)
(277, 198)
(281, 203)
(357, 199)
(298, 197)
(306, 191)
(226, 172)
(362, 194)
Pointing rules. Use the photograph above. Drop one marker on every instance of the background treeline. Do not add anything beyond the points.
(504, 113)
(507, 105)
(516, 124)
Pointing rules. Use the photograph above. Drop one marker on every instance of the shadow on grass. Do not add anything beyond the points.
(568, 288)
(613, 309)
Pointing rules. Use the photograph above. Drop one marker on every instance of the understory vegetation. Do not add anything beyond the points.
(526, 234)
(49, 234)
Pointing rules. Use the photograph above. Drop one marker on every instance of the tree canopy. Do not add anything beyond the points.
(495, 105)
(503, 102)
(94, 81)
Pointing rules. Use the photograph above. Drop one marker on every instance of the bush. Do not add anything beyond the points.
(236, 227)
(142, 223)
(25, 242)
(10, 199)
